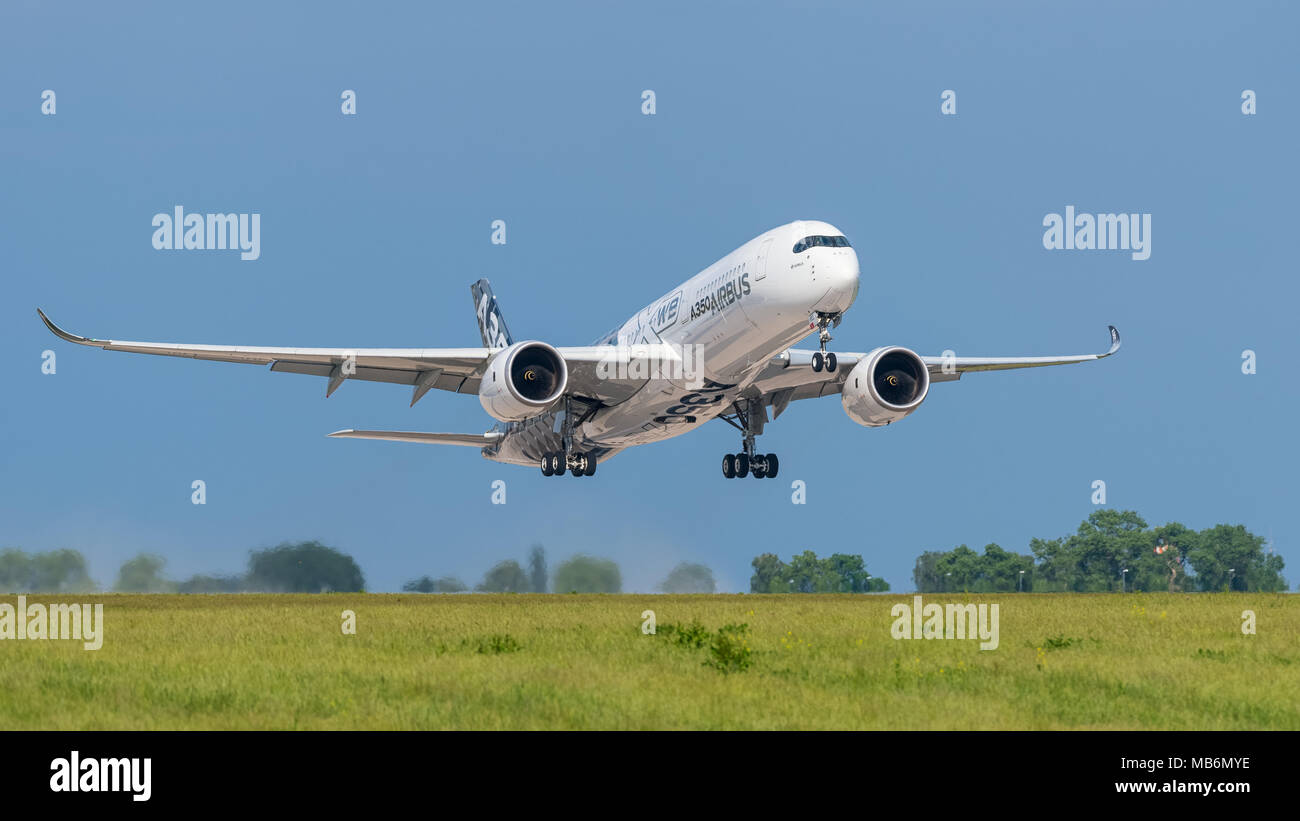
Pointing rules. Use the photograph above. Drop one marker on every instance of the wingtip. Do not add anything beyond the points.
(343, 432)
(62, 334)
(1114, 340)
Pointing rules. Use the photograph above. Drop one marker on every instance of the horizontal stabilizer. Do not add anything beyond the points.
(473, 440)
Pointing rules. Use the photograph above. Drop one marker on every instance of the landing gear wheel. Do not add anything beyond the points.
(591, 465)
(557, 464)
(729, 466)
(830, 363)
(742, 465)
(817, 361)
(772, 465)
(547, 470)
(759, 469)
(580, 469)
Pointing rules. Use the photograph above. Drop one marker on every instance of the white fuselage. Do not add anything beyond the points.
(741, 311)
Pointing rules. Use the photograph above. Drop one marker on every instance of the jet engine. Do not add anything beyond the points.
(886, 385)
(522, 380)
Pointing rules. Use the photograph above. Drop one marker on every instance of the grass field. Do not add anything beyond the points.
(572, 661)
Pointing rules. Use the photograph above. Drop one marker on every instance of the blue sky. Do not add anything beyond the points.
(373, 227)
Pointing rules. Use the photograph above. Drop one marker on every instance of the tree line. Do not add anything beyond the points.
(302, 567)
(311, 567)
(806, 573)
(1112, 550)
(577, 574)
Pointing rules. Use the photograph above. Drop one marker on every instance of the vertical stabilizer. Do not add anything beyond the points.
(491, 325)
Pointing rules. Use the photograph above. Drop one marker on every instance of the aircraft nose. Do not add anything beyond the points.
(839, 273)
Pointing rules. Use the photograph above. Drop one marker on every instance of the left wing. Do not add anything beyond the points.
(790, 376)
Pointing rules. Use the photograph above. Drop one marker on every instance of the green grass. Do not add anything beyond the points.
(565, 661)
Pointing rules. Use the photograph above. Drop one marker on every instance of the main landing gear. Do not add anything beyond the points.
(557, 462)
(749, 421)
(823, 322)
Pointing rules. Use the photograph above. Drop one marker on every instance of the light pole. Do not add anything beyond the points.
(1123, 586)
(1020, 583)
(1232, 572)
(947, 583)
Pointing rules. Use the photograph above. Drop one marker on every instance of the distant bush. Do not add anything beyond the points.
(499, 643)
(212, 584)
(693, 635)
(54, 571)
(728, 648)
(689, 578)
(424, 584)
(305, 567)
(730, 651)
(143, 574)
(588, 574)
(505, 577)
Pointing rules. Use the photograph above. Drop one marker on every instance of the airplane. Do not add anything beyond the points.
(718, 346)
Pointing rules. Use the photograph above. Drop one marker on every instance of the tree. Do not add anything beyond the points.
(425, 584)
(689, 578)
(925, 573)
(1114, 550)
(588, 574)
(769, 575)
(505, 577)
(958, 569)
(54, 571)
(1053, 568)
(809, 574)
(537, 568)
(806, 573)
(305, 567)
(848, 574)
(1000, 571)
(1229, 557)
(143, 574)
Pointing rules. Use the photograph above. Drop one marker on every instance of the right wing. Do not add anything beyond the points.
(457, 370)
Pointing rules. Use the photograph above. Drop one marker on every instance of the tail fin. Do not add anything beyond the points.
(491, 325)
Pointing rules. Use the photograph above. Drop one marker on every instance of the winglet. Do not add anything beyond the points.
(62, 334)
(1114, 341)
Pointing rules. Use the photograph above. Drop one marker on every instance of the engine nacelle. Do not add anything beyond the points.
(886, 385)
(522, 380)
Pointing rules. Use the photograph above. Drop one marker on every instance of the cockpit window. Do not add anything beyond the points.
(812, 242)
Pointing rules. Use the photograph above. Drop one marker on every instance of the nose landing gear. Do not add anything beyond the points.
(823, 322)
